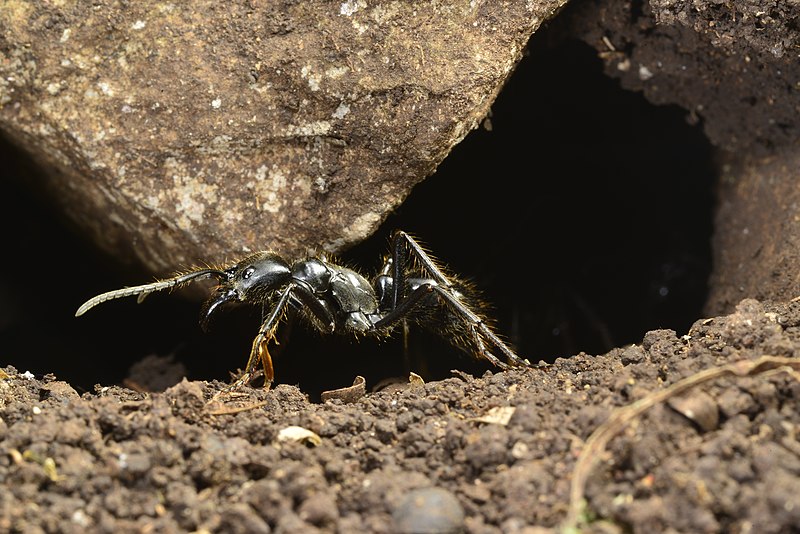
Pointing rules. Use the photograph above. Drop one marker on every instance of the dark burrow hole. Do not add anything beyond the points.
(584, 215)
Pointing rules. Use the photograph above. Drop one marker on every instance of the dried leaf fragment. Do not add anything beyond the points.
(348, 394)
(499, 415)
(298, 433)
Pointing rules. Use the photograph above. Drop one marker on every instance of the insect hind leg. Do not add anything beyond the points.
(482, 334)
(405, 247)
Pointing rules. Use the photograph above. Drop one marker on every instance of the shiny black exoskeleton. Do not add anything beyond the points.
(410, 287)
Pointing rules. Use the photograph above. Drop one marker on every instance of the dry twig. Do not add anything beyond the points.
(597, 442)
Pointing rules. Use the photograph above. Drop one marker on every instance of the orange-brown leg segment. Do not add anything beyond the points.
(266, 361)
(259, 352)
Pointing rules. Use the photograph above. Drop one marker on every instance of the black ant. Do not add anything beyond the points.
(410, 287)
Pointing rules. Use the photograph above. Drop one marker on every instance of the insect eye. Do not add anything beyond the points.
(248, 273)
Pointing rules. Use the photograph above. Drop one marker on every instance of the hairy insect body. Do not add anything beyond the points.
(410, 288)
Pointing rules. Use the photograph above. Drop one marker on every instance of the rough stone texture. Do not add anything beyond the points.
(178, 134)
(175, 136)
(734, 66)
(758, 231)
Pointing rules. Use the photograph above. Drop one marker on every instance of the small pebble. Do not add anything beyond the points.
(429, 511)
(699, 407)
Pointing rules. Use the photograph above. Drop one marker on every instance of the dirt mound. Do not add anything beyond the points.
(490, 454)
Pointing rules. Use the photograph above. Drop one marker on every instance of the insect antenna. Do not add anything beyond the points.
(142, 291)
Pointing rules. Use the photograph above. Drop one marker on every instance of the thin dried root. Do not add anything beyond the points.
(238, 409)
(596, 443)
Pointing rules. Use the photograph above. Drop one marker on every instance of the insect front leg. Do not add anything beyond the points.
(259, 351)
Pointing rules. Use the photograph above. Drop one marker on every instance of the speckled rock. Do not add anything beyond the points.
(176, 133)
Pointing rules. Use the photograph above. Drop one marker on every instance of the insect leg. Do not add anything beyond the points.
(259, 352)
(315, 307)
(480, 329)
(481, 333)
(399, 312)
(401, 243)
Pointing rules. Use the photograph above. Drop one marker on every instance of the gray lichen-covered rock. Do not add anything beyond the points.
(178, 132)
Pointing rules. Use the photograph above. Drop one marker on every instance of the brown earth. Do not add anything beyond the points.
(722, 458)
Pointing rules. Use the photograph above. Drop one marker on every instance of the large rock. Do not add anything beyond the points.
(183, 132)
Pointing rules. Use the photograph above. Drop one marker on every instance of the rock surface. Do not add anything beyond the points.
(736, 70)
(757, 239)
(177, 134)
